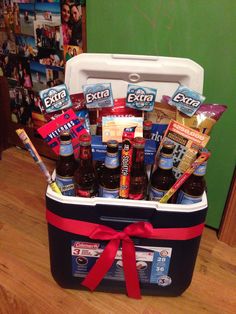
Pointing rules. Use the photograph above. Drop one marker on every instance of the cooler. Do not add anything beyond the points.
(120, 245)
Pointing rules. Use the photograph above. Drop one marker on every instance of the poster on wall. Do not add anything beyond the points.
(37, 38)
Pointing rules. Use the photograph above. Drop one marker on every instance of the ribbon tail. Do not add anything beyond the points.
(102, 265)
(130, 270)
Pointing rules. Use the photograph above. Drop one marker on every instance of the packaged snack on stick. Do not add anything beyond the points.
(126, 161)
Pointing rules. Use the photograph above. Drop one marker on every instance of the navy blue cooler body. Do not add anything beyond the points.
(165, 267)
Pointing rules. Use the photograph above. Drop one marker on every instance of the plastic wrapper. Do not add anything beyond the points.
(161, 115)
(204, 118)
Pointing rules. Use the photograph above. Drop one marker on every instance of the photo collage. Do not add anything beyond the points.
(37, 38)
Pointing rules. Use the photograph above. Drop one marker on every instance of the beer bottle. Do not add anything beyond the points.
(99, 164)
(147, 129)
(138, 174)
(99, 126)
(163, 178)
(66, 165)
(85, 180)
(193, 188)
(109, 184)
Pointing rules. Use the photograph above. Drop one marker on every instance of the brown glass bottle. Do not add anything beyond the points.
(99, 126)
(138, 174)
(66, 165)
(163, 178)
(85, 180)
(193, 188)
(147, 129)
(98, 164)
(109, 182)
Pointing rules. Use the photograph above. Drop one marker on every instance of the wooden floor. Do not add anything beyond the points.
(26, 285)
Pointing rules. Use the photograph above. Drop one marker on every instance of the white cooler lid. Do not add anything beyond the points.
(163, 73)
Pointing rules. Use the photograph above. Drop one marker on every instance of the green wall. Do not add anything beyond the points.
(201, 30)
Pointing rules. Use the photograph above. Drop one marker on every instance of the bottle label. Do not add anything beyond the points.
(66, 149)
(139, 155)
(186, 199)
(201, 170)
(165, 162)
(136, 196)
(156, 194)
(82, 193)
(90, 192)
(66, 185)
(112, 161)
(108, 193)
(85, 152)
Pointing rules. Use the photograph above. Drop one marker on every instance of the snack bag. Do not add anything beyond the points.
(160, 117)
(204, 119)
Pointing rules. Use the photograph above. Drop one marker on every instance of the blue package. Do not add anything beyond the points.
(99, 149)
(141, 98)
(98, 95)
(84, 114)
(186, 100)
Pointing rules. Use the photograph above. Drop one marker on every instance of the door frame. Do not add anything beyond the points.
(227, 231)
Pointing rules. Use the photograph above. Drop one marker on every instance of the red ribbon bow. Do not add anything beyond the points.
(101, 232)
(103, 264)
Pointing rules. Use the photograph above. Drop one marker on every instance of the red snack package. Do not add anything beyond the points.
(119, 110)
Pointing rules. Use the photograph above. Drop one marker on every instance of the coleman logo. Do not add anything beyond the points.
(180, 97)
(51, 99)
(132, 97)
(90, 97)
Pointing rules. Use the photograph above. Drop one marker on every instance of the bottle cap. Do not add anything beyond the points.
(139, 141)
(147, 124)
(99, 120)
(112, 143)
(85, 139)
(169, 144)
(65, 135)
(167, 148)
